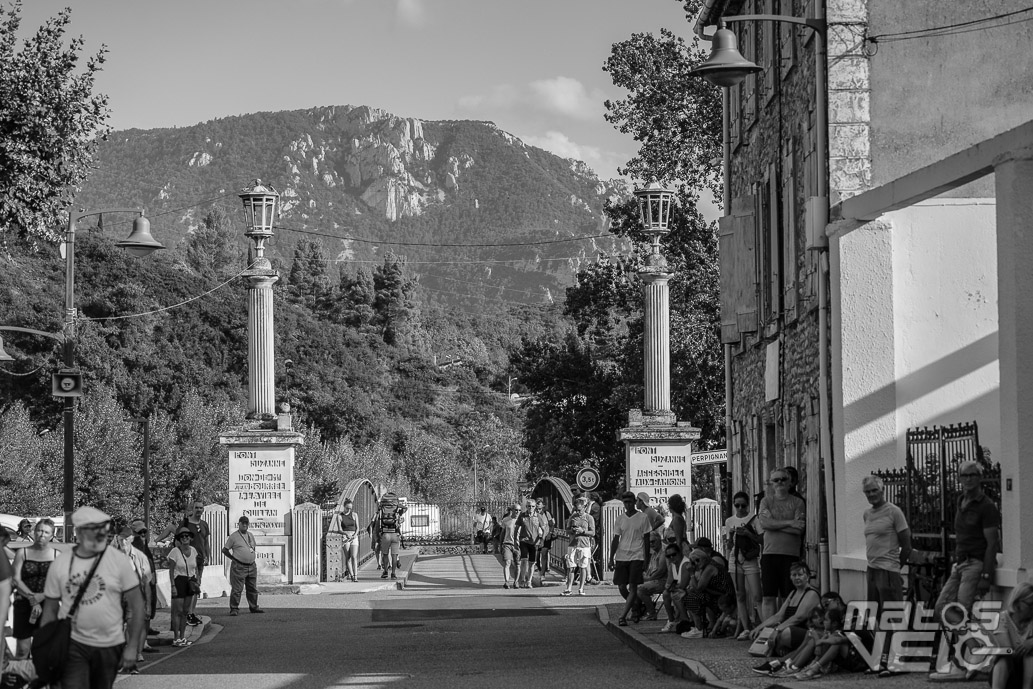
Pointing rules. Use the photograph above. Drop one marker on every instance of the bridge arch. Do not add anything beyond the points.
(557, 496)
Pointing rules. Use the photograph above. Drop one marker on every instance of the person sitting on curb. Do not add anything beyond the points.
(654, 581)
(790, 620)
(797, 659)
(679, 574)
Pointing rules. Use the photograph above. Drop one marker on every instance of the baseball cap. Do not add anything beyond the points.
(88, 516)
(627, 495)
(243, 519)
(182, 530)
(644, 497)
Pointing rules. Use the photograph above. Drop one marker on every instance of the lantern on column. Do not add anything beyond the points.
(654, 205)
(259, 213)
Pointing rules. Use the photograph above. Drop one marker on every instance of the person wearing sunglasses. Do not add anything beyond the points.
(110, 589)
(743, 547)
(783, 517)
(182, 569)
(976, 526)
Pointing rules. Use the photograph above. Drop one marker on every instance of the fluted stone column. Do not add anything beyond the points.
(657, 342)
(260, 392)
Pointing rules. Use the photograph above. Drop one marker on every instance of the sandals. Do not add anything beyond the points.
(565, 593)
(622, 622)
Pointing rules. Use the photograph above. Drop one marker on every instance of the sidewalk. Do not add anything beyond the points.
(726, 663)
(369, 578)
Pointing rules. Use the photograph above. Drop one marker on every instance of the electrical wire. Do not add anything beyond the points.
(430, 244)
(20, 375)
(168, 308)
(173, 210)
(948, 29)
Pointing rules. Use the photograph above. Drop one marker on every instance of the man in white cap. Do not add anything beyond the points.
(108, 581)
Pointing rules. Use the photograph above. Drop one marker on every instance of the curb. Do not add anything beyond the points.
(165, 638)
(661, 658)
(400, 584)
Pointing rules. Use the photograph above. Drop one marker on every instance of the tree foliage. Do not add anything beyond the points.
(50, 119)
(675, 117)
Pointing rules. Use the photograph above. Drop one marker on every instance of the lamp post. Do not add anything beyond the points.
(145, 423)
(67, 382)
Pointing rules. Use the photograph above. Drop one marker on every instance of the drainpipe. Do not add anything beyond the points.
(726, 201)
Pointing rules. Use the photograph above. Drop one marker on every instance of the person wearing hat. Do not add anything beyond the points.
(183, 572)
(25, 531)
(240, 549)
(124, 542)
(642, 504)
(110, 587)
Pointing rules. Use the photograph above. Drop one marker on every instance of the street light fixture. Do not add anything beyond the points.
(138, 243)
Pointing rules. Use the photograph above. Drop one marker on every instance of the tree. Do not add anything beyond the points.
(393, 299)
(210, 248)
(675, 116)
(50, 121)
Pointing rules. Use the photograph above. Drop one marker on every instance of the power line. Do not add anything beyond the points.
(440, 245)
(948, 29)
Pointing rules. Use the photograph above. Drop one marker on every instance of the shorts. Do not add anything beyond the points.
(389, 542)
(182, 587)
(509, 553)
(22, 628)
(628, 572)
(651, 588)
(746, 568)
(579, 557)
(528, 551)
(774, 575)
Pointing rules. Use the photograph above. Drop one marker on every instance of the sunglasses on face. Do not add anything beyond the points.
(781, 479)
(972, 474)
(740, 504)
(185, 536)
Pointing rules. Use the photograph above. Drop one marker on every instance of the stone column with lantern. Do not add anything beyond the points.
(658, 447)
(261, 453)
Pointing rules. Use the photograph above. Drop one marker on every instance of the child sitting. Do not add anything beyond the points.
(832, 650)
(800, 656)
(728, 622)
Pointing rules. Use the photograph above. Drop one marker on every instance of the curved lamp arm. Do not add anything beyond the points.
(53, 336)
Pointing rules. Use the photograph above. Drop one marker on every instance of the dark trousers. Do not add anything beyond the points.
(89, 667)
(153, 600)
(241, 577)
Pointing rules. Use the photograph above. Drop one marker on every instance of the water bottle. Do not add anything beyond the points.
(34, 615)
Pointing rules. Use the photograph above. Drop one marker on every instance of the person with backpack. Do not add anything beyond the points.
(387, 522)
(743, 547)
(529, 538)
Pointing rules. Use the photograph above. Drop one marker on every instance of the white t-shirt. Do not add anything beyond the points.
(98, 621)
(630, 531)
(731, 524)
(241, 547)
(187, 568)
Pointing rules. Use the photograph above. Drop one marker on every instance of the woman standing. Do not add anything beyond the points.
(25, 532)
(679, 528)
(183, 572)
(350, 538)
(31, 565)
(743, 548)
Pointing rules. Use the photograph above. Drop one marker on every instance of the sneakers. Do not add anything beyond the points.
(810, 672)
(768, 667)
(393, 575)
(506, 585)
(565, 592)
(193, 620)
(181, 643)
(258, 611)
(384, 575)
(787, 670)
(234, 612)
(693, 634)
(954, 674)
(580, 592)
(668, 628)
(649, 616)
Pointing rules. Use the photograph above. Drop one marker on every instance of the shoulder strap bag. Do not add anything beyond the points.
(50, 643)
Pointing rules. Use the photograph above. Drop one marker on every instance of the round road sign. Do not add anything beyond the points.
(587, 479)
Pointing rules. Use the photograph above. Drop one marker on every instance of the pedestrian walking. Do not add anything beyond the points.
(201, 532)
(783, 517)
(548, 527)
(629, 551)
(579, 554)
(124, 542)
(386, 522)
(31, 565)
(529, 536)
(482, 527)
(976, 532)
(349, 526)
(185, 586)
(510, 546)
(94, 586)
(240, 548)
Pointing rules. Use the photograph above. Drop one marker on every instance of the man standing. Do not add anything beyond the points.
(783, 517)
(124, 543)
(240, 549)
(386, 522)
(108, 582)
(976, 527)
(629, 552)
(655, 519)
(199, 528)
(579, 554)
(529, 536)
(482, 527)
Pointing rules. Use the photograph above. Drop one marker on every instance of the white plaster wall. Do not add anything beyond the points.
(863, 376)
(945, 306)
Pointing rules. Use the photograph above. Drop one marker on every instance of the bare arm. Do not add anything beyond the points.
(807, 604)
(134, 602)
(990, 559)
(50, 608)
(904, 537)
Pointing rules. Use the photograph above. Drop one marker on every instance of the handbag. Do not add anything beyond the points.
(745, 546)
(764, 644)
(195, 586)
(51, 642)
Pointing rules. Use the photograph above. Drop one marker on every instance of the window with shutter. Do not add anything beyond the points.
(726, 246)
(789, 265)
(745, 272)
(774, 256)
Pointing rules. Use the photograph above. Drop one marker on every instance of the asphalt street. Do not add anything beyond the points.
(454, 626)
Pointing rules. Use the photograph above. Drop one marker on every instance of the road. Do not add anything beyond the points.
(454, 626)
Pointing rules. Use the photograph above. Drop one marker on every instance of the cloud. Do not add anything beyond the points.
(557, 95)
(568, 97)
(604, 163)
(412, 12)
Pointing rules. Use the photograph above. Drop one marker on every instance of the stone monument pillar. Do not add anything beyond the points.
(658, 447)
(261, 453)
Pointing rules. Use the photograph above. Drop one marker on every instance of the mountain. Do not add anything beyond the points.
(363, 182)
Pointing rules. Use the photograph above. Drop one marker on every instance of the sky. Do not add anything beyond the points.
(533, 67)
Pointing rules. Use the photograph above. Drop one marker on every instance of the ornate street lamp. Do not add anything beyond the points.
(260, 205)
